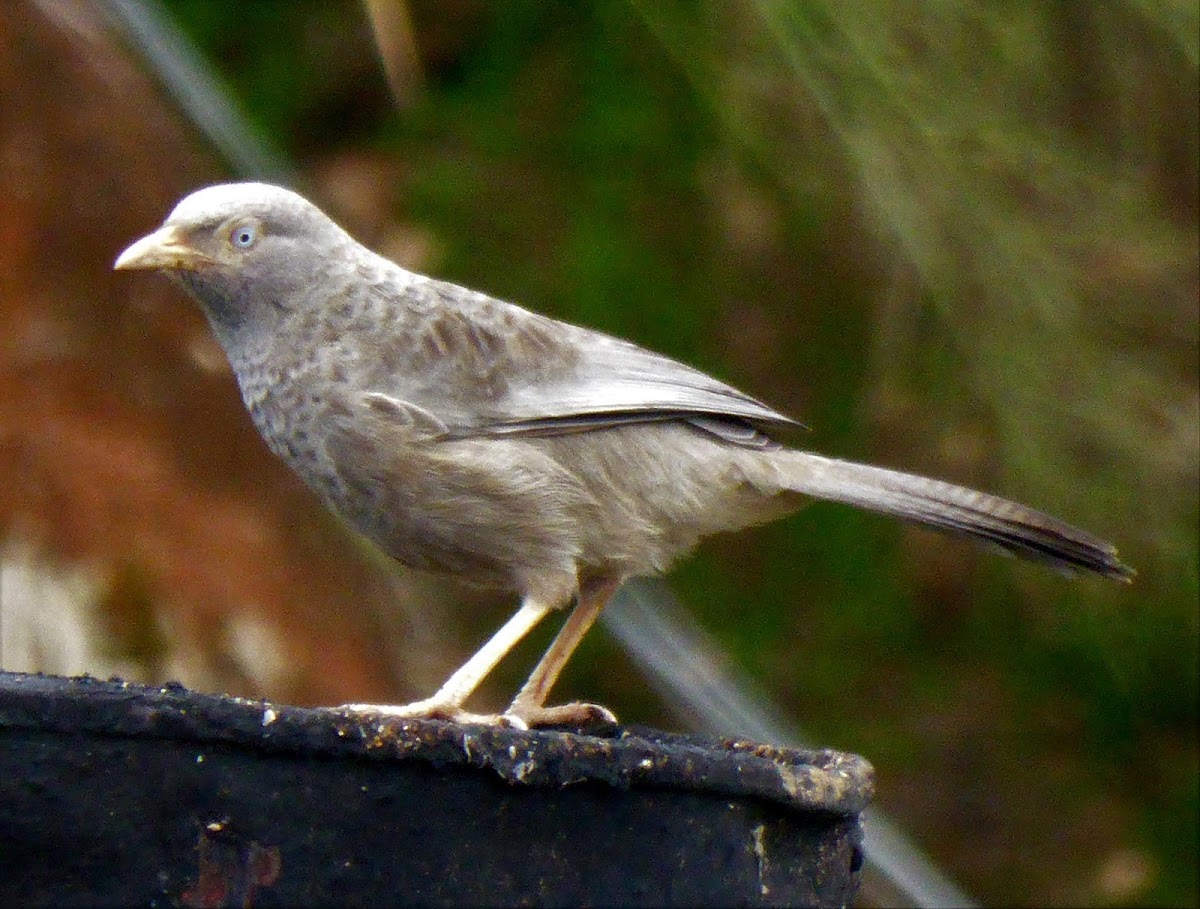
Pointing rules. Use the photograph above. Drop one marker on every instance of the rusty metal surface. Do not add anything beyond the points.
(127, 794)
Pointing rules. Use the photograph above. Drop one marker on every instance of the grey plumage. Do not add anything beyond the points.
(464, 434)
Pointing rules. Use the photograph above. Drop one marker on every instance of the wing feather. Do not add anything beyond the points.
(489, 368)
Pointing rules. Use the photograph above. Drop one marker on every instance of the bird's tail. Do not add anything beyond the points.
(954, 509)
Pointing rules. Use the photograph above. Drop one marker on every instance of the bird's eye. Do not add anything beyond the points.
(244, 236)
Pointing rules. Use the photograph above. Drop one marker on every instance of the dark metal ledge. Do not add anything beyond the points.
(119, 794)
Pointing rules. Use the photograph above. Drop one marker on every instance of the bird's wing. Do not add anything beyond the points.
(489, 368)
(616, 382)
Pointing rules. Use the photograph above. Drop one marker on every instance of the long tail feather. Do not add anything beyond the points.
(1012, 527)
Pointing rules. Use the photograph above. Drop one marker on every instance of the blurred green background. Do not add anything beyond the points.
(959, 240)
(955, 240)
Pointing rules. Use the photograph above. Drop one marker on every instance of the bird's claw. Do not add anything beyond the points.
(428, 709)
(518, 716)
(575, 715)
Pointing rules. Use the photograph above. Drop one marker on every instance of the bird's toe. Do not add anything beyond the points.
(591, 717)
(427, 709)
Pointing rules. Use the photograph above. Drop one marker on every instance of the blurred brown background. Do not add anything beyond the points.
(962, 243)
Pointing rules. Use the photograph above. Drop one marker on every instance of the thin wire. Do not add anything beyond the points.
(694, 678)
(189, 79)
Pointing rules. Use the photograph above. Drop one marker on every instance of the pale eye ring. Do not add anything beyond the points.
(243, 236)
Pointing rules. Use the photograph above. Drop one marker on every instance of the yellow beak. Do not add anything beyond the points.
(164, 249)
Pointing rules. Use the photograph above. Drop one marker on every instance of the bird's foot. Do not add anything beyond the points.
(428, 709)
(592, 717)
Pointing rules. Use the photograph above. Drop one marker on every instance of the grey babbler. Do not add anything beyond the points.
(467, 435)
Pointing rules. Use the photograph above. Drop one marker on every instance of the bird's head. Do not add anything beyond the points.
(242, 250)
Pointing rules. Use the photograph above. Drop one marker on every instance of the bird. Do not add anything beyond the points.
(467, 435)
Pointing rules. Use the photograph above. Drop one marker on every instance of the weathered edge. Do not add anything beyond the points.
(802, 780)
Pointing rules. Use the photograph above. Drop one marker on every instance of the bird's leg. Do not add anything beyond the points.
(527, 708)
(447, 702)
